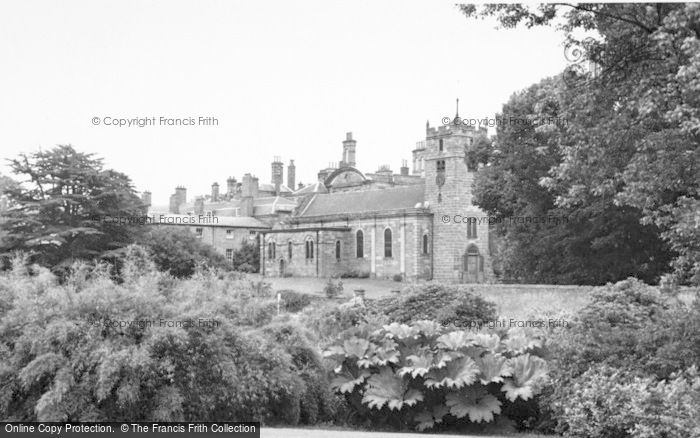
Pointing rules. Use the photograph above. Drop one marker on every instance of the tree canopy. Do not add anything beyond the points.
(633, 115)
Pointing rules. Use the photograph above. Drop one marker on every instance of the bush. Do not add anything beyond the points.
(93, 349)
(178, 252)
(397, 277)
(454, 304)
(247, 257)
(424, 376)
(623, 346)
(608, 403)
(355, 274)
(332, 289)
(294, 301)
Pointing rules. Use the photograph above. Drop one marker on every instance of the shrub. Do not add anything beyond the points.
(629, 331)
(96, 350)
(178, 252)
(608, 403)
(247, 257)
(355, 274)
(398, 277)
(317, 402)
(294, 301)
(425, 376)
(435, 301)
(332, 289)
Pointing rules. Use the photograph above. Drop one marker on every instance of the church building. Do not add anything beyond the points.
(411, 225)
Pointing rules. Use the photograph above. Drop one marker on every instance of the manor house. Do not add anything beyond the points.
(381, 224)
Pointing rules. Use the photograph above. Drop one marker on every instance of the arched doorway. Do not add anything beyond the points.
(471, 265)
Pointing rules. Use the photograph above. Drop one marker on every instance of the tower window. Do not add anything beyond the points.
(337, 250)
(309, 249)
(387, 243)
(359, 244)
(441, 165)
(440, 145)
(290, 247)
(425, 244)
(471, 228)
(271, 250)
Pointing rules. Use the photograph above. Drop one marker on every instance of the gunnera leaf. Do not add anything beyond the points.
(422, 363)
(400, 331)
(528, 372)
(476, 403)
(455, 340)
(458, 373)
(346, 380)
(494, 368)
(386, 388)
(519, 341)
(429, 418)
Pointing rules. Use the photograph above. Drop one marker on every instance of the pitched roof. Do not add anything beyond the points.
(197, 220)
(365, 201)
(311, 188)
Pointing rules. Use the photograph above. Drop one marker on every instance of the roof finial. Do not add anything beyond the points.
(457, 115)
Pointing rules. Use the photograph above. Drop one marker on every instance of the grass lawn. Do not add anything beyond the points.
(518, 301)
(513, 301)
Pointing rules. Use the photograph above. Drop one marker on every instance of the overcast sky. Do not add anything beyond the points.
(283, 78)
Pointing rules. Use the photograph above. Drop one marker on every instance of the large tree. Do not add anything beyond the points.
(57, 211)
(634, 118)
(590, 243)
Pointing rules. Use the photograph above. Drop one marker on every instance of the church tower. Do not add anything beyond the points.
(460, 230)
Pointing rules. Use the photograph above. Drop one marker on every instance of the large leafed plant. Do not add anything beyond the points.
(429, 373)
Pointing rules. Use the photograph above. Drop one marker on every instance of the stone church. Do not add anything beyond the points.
(414, 224)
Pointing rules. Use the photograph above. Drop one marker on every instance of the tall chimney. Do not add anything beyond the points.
(277, 174)
(247, 185)
(181, 195)
(291, 174)
(404, 167)
(199, 205)
(254, 187)
(348, 151)
(146, 198)
(230, 186)
(215, 192)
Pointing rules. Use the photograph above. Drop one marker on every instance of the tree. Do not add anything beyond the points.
(634, 119)
(247, 257)
(589, 243)
(178, 252)
(56, 213)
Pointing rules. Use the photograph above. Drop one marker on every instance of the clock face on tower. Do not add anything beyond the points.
(440, 179)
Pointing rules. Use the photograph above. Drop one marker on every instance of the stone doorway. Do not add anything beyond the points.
(471, 264)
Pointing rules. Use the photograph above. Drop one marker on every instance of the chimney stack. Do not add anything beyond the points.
(215, 192)
(348, 151)
(277, 174)
(291, 175)
(230, 186)
(199, 205)
(404, 168)
(146, 198)
(180, 197)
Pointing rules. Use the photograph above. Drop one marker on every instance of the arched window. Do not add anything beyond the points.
(309, 249)
(441, 145)
(387, 243)
(337, 250)
(359, 244)
(271, 250)
(290, 247)
(425, 244)
(471, 228)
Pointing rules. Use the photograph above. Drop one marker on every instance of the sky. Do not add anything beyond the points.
(282, 78)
